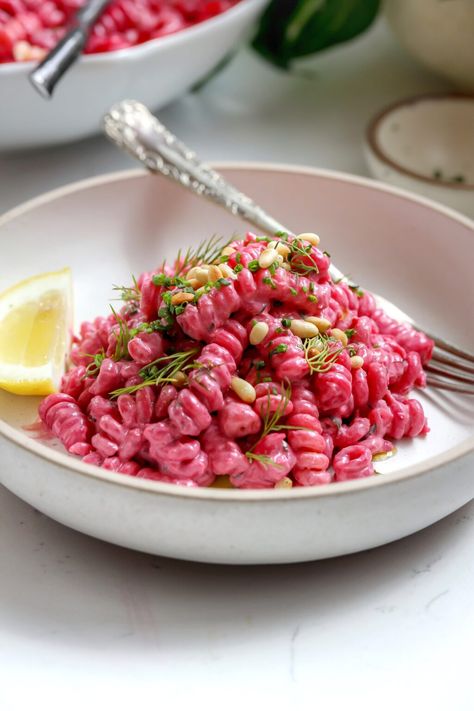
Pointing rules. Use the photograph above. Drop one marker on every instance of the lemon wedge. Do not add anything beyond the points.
(35, 332)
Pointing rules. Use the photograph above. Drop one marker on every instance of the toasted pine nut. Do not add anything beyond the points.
(303, 329)
(280, 259)
(272, 244)
(357, 362)
(313, 352)
(321, 323)
(214, 272)
(310, 237)
(267, 257)
(227, 251)
(286, 266)
(244, 390)
(201, 274)
(283, 249)
(192, 273)
(258, 333)
(180, 379)
(284, 483)
(227, 271)
(339, 336)
(181, 297)
(195, 283)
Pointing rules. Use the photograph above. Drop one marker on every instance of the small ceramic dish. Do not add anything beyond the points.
(155, 73)
(426, 144)
(108, 228)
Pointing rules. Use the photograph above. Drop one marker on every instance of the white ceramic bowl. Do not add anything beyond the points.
(110, 227)
(155, 73)
(426, 144)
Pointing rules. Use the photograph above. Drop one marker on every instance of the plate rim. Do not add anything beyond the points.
(335, 489)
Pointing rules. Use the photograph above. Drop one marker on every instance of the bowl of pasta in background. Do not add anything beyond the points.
(156, 72)
(390, 241)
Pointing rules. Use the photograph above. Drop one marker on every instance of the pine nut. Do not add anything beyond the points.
(280, 259)
(357, 362)
(192, 273)
(272, 244)
(214, 272)
(267, 257)
(313, 352)
(283, 249)
(244, 390)
(310, 237)
(194, 283)
(321, 323)
(227, 271)
(181, 297)
(201, 275)
(339, 336)
(258, 333)
(284, 483)
(180, 379)
(303, 329)
(227, 251)
(286, 266)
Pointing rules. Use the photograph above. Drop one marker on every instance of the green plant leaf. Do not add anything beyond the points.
(289, 30)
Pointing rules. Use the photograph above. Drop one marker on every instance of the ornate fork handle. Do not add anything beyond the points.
(133, 128)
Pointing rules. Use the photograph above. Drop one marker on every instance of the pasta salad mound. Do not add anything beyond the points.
(242, 365)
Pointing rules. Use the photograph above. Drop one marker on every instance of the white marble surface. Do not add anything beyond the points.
(84, 624)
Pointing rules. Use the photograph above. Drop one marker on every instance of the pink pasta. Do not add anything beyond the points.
(248, 365)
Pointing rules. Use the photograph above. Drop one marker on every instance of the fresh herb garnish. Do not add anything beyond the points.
(318, 353)
(349, 332)
(162, 370)
(206, 253)
(281, 348)
(300, 257)
(94, 366)
(129, 293)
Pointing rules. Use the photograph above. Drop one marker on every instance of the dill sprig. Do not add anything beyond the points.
(162, 370)
(206, 253)
(129, 293)
(123, 337)
(94, 366)
(322, 357)
(262, 459)
(301, 251)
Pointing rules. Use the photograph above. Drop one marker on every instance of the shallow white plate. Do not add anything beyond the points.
(409, 249)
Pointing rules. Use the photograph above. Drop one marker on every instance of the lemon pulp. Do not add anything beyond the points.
(34, 333)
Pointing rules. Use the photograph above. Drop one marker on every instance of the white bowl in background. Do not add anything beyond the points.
(426, 144)
(110, 227)
(155, 73)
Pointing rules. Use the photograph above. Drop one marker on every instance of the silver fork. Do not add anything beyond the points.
(133, 128)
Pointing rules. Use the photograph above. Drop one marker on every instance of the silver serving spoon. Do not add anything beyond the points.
(133, 128)
(47, 74)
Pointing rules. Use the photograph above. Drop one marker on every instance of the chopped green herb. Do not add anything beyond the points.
(253, 265)
(238, 268)
(286, 322)
(282, 348)
(349, 332)
(293, 292)
(313, 298)
(269, 281)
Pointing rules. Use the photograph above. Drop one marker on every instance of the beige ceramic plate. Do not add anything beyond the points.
(410, 250)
